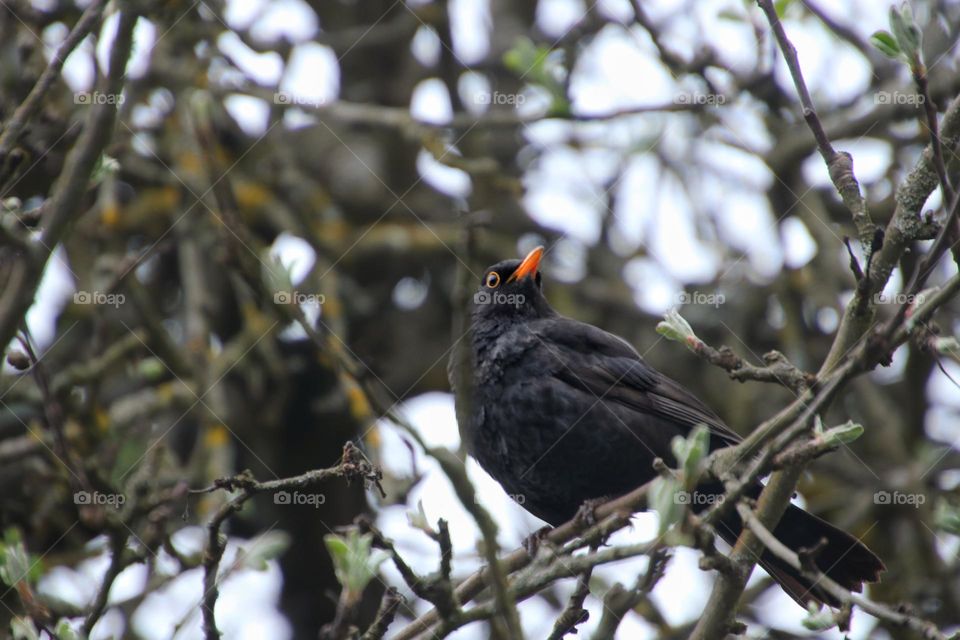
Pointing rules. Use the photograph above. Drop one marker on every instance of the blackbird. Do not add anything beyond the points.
(562, 413)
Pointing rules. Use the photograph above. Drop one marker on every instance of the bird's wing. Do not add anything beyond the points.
(607, 366)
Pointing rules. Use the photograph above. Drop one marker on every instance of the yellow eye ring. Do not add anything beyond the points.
(493, 280)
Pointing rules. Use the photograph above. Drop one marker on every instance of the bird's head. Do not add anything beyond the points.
(511, 289)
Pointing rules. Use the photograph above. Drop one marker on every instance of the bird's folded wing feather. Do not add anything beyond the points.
(607, 366)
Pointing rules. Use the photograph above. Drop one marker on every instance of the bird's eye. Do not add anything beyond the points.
(493, 280)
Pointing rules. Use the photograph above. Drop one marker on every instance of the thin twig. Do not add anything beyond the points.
(118, 545)
(619, 509)
(926, 628)
(385, 615)
(15, 125)
(574, 613)
(839, 165)
(778, 369)
(919, 72)
(437, 589)
(352, 465)
(73, 181)
(618, 601)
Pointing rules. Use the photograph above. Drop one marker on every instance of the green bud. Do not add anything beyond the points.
(674, 327)
(885, 43)
(818, 620)
(906, 32)
(664, 500)
(355, 563)
(690, 453)
(843, 434)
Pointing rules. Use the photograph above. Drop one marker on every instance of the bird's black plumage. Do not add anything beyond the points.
(560, 412)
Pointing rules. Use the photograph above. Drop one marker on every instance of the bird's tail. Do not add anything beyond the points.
(843, 558)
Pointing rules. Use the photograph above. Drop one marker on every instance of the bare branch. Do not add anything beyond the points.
(15, 125)
(352, 465)
(762, 532)
(778, 369)
(64, 206)
(839, 165)
(574, 613)
(615, 513)
(385, 615)
(118, 544)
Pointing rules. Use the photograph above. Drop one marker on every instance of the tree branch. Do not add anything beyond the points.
(64, 205)
(762, 532)
(352, 464)
(15, 125)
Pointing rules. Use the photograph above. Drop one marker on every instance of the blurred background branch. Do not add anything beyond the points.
(236, 235)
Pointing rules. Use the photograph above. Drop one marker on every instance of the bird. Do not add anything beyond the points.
(564, 414)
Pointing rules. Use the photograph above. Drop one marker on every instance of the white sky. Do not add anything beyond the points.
(564, 190)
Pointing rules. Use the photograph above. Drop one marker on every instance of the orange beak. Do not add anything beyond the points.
(529, 265)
